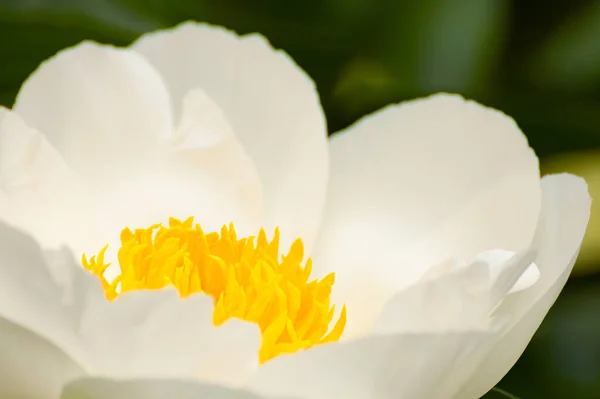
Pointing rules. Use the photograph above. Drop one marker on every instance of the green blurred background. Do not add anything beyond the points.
(537, 60)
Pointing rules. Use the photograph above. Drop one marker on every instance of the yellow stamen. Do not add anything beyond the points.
(245, 276)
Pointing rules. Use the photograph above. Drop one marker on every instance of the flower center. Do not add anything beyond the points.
(245, 276)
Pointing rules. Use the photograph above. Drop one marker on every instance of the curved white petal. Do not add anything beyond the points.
(142, 334)
(454, 296)
(103, 108)
(206, 174)
(271, 104)
(157, 334)
(44, 300)
(40, 191)
(564, 218)
(30, 366)
(497, 261)
(94, 388)
(418, 183)
(398, 366)
(28, 163)
(207, 157)
(202, 124)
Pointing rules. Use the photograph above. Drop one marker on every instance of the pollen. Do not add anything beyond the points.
(246, 277)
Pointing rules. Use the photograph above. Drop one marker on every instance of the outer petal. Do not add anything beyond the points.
(102, 108)
(565, 214)
(142, 334)
(36, 351)
(418, 183)
(150, 389)
(157, 334)
(34, 297)
(458, 297)
(30, 366)
(270, 103)
(400, 366)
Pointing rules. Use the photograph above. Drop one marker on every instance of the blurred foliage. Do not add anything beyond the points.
(587, 165)
(537, 60)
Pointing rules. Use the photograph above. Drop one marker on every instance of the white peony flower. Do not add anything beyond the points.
(447, 248)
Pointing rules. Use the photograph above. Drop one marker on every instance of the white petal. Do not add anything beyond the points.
(157, 334)
(30, 366)
(104, 109)
(497, 259)
(407, 366)
(3, 203)
(206, 158)
(150, 389)
(206, 174)
(565, 214)
(203, 124)
(455, 297)
(40, 191)
(37, 299)
(418, 183)
(28, 163)
(142, 334)
(271, 105)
